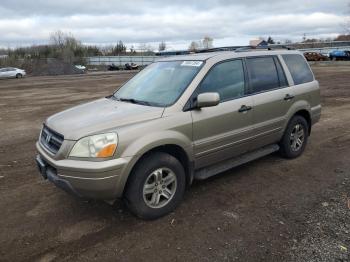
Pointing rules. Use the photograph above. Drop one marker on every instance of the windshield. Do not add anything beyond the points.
(159, 84)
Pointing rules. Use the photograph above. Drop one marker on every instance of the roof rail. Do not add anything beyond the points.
(217, 49)
(243, 48)
(262, 48)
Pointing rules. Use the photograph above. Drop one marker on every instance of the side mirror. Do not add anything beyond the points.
(208, 100)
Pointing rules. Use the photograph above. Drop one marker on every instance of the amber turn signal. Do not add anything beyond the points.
(107, 151)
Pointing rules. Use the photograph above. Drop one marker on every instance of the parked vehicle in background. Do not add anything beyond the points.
(315, 56)
(113, 67)
(131, 66)
(181, 118)
(339, 55)
(81, 67)
(12, 72)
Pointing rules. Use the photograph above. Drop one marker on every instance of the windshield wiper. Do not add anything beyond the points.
(134, 101)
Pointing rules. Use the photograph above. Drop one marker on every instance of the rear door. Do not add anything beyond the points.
(271, 98)
(223, 131)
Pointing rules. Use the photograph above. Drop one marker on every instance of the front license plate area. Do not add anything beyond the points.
(41, 166)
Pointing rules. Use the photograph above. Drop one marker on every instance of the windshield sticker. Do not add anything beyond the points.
(192, 63)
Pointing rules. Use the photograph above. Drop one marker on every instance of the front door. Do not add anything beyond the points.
(225, 130)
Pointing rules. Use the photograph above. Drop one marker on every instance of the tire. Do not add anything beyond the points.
(290, 146)
(148, 184)
(19, 76)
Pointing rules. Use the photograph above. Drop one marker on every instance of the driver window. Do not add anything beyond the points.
(227, 79)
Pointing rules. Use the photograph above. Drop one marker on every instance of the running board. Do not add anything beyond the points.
(213, 170)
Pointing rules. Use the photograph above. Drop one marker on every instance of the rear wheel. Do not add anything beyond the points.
(295, 137)
(156, 186)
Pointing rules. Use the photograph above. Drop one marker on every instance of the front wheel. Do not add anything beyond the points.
(295, 137)
(19, 76)
(156, 186)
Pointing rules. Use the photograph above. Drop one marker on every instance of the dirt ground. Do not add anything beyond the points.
(268, 210)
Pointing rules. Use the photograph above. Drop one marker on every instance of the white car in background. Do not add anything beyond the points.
(80, 67)
(12, 72)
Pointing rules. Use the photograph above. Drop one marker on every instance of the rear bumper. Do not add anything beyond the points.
(85, 179)
(315, 114)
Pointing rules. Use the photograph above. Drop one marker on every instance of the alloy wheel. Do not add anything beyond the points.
(159, 188)
(297, 137)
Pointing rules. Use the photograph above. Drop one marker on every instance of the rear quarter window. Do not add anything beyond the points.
(298, 68)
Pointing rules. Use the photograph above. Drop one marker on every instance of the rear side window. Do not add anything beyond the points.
(226, 78)
(298, 68)
(263, 74)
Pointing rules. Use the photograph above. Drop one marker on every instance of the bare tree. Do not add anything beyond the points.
(119, 48)
(194, 46)
(207, 42)
(146, 49)
(57, 38)
(66, 47)
(162, 46)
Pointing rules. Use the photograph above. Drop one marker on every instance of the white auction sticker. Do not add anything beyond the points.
(192, 63)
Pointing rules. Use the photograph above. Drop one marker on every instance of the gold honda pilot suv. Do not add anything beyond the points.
(181, 118)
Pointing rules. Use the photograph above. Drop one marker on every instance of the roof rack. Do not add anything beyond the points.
(262, 48)
(217, 49)
(244, 48)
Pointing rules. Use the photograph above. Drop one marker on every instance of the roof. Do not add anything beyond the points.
(197, 56)
(223, 54)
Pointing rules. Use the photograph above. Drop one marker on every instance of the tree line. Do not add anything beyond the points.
(66, 47)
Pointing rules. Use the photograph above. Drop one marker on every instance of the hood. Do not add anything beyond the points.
(99, 116)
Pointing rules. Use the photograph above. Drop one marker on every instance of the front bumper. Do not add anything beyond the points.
(85, 179)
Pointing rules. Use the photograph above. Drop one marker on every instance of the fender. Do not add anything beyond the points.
(148, 142)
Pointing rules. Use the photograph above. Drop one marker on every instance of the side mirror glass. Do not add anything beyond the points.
(208, 100)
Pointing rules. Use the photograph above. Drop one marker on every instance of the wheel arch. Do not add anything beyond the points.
(301, 108)
(174, 150)
(307, 116)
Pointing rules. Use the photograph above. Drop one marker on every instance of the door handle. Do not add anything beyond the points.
(288, 97)
(244, 108)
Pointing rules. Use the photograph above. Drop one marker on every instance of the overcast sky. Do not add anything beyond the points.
(24, 22)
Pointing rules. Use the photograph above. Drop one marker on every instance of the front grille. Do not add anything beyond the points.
(51, 140)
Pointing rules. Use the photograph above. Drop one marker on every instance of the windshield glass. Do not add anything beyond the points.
(159, 84)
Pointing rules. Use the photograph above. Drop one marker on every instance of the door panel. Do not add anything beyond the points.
(222, 132)
(3, 73)
(269, 87)
(270, 115)
(6, 73)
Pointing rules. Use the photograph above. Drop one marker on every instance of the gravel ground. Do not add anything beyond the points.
(271, 209)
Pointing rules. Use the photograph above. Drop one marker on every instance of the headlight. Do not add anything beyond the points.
(103, 145)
